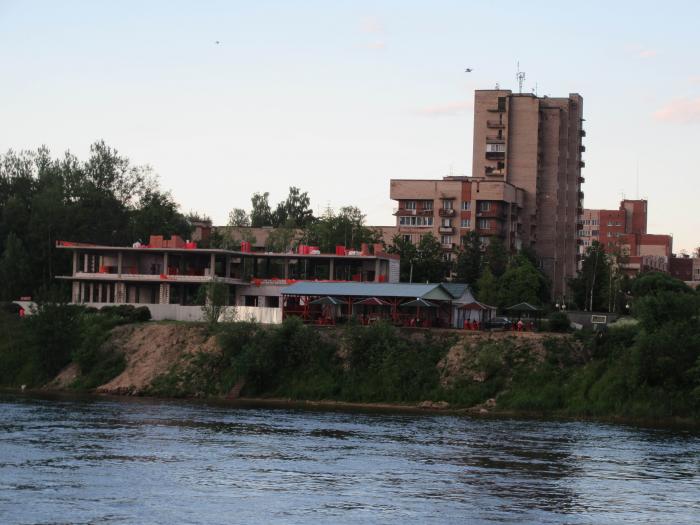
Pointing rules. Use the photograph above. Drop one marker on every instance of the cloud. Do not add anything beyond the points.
(641, 52)
(445, 110)
(377, 44)
(371, 24)
(680, 110)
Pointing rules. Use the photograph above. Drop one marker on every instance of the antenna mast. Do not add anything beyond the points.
(520, 76)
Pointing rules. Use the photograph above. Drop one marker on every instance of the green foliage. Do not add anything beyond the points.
(294, 211)
(521, 282)
(592, 286)
(104, 199)
(489, 288)
(653, 283)
(347, 227)
(238, 218)
(469, 260)
(213, 297)
(496, 256)
(422, 263)
(261, 213)
(558, 322)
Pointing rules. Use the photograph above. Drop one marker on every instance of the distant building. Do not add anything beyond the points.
(624, 232)
(525, 186)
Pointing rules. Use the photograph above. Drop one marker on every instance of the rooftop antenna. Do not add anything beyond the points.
(520, 75)
(498, 86)
(534, 90)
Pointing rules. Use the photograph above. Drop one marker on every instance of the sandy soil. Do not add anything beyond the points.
(151, 350)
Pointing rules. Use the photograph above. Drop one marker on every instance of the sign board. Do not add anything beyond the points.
(599, 319)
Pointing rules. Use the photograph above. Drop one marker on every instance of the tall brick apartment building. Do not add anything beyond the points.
(624, 231)
(525, 185)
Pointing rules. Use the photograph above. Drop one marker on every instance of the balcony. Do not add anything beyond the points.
(426, 212)
(446, 229)
(447, 212)
(581, 180)
(580, 195)
(495, 155)
(493, 172)
(448, 246)
(582, 148)
(404, 211)
(582, 164)
(583, 132)
(495, 213)
(495, 124)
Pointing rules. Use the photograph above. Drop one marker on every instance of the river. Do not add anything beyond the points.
(105, 460)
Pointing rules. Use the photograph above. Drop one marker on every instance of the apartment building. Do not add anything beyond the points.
(451, 207)
(624, 232)
(525, 185)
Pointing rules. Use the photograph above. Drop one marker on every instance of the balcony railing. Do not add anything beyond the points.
(446, 229)
(404, 211)
(426, 212)
(493, 172)
(581, 180)
(495, 124)
(582, 164)
(447, 212)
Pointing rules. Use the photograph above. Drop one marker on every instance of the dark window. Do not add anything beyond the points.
(501, 103)
(272, 301)
(250, 300)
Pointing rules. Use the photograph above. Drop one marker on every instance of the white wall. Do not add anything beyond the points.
(176, 312)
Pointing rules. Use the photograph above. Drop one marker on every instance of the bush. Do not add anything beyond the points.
(558, 322)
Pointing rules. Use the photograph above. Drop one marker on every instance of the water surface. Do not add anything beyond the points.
(98, 460)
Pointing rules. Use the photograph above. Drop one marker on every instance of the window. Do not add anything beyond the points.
(447, 204)
(407, 238)
(466, 205)
(484, 224)
(501, 103)
(495, 148)
(466, 223)
(484, 205)
(412, 220)
(427, 205)
(272, 301)
(446, 239)
(410, 205)
(250, 300)
(595, 233)
(446, 223)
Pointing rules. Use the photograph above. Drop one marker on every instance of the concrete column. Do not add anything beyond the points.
(76, 292)
(91, 295)
(286, 268)
(376, 270)
(85, 262)
(212, 265)
(164, 297)
(119, 264)
(228, 266)
(75, 263)
(165, 263)
(331, 271)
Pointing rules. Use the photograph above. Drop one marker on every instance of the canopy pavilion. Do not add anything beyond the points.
(389, 299)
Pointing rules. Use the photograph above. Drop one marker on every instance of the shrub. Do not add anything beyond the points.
(558, 322)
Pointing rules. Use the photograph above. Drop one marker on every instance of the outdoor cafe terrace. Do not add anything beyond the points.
(424, 305)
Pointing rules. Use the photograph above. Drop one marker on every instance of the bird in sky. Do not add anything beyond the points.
(468, 70)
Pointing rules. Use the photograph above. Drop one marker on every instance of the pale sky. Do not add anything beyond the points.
(337, 98)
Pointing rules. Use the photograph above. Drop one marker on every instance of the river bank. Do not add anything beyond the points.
(579, 375)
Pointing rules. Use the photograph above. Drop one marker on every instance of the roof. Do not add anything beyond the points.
(524, 307)
(476, 305)
(433, 291)
(456, 290)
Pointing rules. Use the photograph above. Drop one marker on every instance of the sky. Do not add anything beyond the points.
(339, 97)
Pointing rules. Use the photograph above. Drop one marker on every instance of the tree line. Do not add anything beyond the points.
(104, 199)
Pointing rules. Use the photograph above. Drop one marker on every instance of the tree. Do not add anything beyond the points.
(294, 210)
(591, 286)
(158, 214)
(213, 297)
(239, 218)
(15, 278)
(431, 265)
(280, 239)
(469, 260)
(521, 282)
(261, 214)
(496, 256)
(408, 255)
(346, 228)
(696, 252)
(489, 288)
